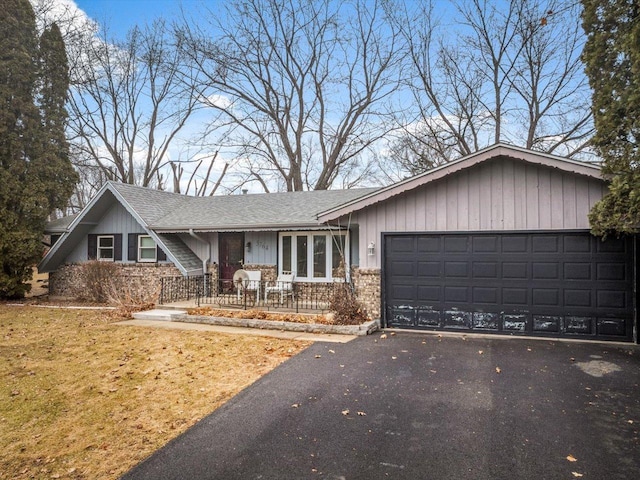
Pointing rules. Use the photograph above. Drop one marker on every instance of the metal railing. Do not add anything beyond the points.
(177, 289)
(267, 295)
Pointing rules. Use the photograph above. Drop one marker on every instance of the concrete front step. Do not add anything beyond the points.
(159, 314)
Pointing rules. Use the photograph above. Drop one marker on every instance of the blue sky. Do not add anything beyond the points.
(122, 15)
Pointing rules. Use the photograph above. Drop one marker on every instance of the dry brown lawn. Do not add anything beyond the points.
(83, 398)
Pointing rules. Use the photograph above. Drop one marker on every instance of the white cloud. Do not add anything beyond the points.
(220, 101)
(69, 17)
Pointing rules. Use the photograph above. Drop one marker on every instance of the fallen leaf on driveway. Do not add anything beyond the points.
(295, 405)
(571, 458)
(383, 336)
(318, 356)
(345, 412)
(393, 334)
(394, 358)
(480, 352)
(332, 351)
(630, 421)
(576, 474)
(498, 370)
(362, 414)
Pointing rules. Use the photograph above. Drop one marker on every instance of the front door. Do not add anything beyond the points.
(231, 254)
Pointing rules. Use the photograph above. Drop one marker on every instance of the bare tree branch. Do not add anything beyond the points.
(305, 84)
(504, 71)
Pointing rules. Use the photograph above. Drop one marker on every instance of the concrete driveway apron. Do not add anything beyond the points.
(424, 407)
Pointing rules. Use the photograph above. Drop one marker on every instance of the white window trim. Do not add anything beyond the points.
(329, 254)
(112, 247)
(140, 248)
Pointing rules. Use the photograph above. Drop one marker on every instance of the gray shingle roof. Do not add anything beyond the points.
(150, 204)
(165, 211)
(269, 210)
(60, 224)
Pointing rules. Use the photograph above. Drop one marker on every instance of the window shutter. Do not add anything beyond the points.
(160, 255)
(92, 246)
(132, 247)
(117, 247)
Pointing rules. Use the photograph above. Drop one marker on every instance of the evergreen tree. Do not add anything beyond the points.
(55, 175)
(612, 59)
(35, 174)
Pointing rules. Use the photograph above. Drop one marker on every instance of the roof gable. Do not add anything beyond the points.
(488, 154)
(143, 204)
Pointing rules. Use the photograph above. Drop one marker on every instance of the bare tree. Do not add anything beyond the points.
(302, 88)
(488, 72)
(130, 104)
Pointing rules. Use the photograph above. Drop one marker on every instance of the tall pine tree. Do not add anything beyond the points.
(36, 176)
(612, 59)
(53, 95)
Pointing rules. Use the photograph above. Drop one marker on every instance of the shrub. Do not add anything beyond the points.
(344, 305)
(98, 278)
(130, 294)
(104, 283)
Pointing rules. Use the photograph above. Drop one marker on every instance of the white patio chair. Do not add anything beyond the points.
(283, 286)
(250, 283)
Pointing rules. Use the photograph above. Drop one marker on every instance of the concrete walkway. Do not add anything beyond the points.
(302, 336)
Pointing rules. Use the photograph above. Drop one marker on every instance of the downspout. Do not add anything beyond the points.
(206, 261)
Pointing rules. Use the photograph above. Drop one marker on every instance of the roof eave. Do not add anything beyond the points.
(236, 228)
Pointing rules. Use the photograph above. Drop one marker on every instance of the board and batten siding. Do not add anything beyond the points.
(200, 247)
(264, 248)
(498, 195)
(116, 220)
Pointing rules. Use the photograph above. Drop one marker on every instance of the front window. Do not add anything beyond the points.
(302, 254)
(105, 248)
(313, 256)
(319, 256)
(286, 253)
(146, 249)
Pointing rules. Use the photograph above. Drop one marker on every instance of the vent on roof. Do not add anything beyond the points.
(245, 191)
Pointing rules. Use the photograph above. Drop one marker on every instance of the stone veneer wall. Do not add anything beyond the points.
(67, 281)
(367, 283)
(269, 272)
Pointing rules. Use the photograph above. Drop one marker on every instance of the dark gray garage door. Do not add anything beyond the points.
(558, 284)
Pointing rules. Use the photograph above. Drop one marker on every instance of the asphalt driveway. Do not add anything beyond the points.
(424, 407)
